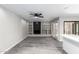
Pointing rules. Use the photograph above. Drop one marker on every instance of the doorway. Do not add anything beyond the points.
(37, 27)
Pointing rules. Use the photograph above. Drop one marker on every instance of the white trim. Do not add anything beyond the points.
(3, 52)
(44, 35)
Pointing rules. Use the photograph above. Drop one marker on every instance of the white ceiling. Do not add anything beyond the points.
(50, 11)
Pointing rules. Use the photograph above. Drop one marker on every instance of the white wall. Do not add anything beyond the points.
(71, 44)
(55, 29)
(61, 22)
(12, 30)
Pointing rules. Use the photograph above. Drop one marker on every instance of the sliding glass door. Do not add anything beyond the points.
(39, 28)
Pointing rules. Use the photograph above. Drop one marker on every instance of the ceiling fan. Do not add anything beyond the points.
(37, 15)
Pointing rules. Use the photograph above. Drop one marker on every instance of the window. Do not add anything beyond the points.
(71, 27)
(46, 28)
(30, 27)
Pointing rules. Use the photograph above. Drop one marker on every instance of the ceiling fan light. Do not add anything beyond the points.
(35, 17)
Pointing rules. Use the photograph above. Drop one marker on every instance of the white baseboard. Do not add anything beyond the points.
(3, 52)
(39, 35)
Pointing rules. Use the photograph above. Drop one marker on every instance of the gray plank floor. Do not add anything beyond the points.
(37, 45)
